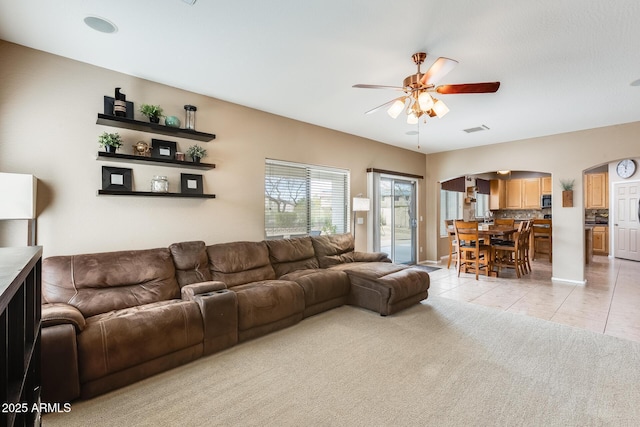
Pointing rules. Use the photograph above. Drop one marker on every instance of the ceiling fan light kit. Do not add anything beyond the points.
(418, 88)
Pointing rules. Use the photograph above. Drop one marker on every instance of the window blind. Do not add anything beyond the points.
(303, 199)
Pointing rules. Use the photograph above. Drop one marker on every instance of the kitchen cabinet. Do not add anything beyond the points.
(523, 193)
(596, 188)
(531, 193)
(545, 183)
(497, 194)
(513, 194)
(600, 240)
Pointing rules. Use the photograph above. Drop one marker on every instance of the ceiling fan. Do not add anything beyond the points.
(417, 100)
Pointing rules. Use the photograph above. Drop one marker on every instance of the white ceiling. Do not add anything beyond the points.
(564, 65)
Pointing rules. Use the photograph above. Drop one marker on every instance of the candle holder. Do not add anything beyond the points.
(190, 117)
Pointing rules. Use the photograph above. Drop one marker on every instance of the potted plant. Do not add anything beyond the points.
(196, 152)
(110, 141)
(153, 112)
(567, 192)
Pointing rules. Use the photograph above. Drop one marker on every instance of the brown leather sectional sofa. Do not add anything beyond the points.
(110, 319)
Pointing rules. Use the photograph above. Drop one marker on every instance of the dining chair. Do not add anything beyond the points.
(511, 222)
(472, 253)
(525, 246)
(453, 243)
(542, 237)
(508, 254)
(503, 222)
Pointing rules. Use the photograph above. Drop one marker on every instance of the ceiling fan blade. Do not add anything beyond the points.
(377, 87)
(373, 110)
(488, 87)
(439, 69)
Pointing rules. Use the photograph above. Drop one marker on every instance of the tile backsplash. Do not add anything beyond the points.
(522, 213)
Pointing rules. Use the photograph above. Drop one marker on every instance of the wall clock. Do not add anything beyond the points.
(626, 168)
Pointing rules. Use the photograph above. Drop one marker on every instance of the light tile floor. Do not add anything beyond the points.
(609, 303)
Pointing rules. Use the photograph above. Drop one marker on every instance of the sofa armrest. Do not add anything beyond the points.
(190, 291)
(60, 377)
(219, 309)
(61, 314)
(370, 257)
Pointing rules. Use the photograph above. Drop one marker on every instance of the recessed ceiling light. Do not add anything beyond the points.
(635, 83)
(100, 24)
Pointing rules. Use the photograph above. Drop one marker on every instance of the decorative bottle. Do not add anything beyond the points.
(120, 104)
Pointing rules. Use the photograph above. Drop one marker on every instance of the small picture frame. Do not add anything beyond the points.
(190, 183)
(163, 149)
(108, 107)
(116, 179)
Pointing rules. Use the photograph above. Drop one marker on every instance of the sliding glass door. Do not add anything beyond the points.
(394, 219)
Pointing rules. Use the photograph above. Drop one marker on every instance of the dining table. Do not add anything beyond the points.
(491, 231)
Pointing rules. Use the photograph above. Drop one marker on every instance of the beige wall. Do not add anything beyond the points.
(565, 156)
(48, 110)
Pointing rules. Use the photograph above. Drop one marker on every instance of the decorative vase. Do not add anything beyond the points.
(154, 119)
(196, 160)
(567, 199)
(172, 121)
(110, 148)
(120, 104)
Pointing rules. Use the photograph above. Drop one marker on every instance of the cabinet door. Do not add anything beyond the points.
(545, 182)
(599, 247)
(597, 191)
(531, 193)
(497, 196)
(514, 194)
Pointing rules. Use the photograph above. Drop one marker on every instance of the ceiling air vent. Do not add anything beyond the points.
(476, 129)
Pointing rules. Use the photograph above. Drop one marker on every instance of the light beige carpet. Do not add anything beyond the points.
(440, 363)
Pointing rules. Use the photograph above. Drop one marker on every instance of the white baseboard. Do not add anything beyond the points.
(573, 282)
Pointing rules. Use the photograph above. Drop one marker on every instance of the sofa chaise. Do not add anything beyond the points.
(111, 319)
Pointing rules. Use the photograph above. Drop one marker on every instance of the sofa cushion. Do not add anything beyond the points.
(121, 339)
(287, 255)
(336, 249)
(191, 261)
(264, 302)
(396, 281)
(101, 282)
(320, 285)
(238, 263)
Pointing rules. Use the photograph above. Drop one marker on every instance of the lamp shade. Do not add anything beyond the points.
(396, 108)
(17, 196)
(440, 109)
(361, 204)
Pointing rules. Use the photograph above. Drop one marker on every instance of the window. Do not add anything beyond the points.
(450, 208)
(482, 205)
(303, 199)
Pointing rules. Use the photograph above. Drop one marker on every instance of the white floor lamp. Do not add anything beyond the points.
(18, 200)
(360, 204)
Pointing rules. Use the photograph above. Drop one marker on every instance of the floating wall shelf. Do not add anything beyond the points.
(130, 158)
(152, 194)
(123, 122)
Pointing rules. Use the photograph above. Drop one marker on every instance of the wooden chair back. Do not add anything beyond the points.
(472, 253)
(505, 221)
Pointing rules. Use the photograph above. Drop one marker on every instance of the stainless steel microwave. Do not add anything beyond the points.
(546, 201)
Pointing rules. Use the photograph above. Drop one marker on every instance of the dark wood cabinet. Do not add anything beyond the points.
(20, 302)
